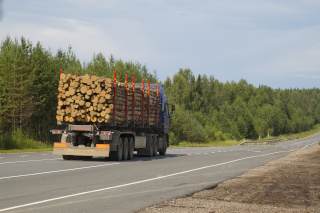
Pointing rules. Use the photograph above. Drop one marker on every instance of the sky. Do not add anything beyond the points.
(266, 42)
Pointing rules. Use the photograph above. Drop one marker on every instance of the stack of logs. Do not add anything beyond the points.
(90, 99)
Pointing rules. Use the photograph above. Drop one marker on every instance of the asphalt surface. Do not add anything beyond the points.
(41, 182)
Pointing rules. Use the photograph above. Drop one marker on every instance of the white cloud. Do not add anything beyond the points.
(228, 39)
(308, 76)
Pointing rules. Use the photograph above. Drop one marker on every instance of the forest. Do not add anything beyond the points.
(209, 110)
(206, 109)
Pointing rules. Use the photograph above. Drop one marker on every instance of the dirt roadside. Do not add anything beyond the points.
(288, 184)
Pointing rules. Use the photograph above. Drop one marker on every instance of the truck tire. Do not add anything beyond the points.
(155, 146)
(67, 157)
(163, 150)
(131, 148)
(151, 148)
(117, 155)
(85, 158)
(125, 148)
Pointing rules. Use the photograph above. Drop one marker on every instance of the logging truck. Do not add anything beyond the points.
(101, 117)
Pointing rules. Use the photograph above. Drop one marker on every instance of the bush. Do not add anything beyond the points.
(17, 139)
(173, 139)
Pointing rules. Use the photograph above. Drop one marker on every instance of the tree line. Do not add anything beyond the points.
(209, 110)
(206, 109)
(29, 78)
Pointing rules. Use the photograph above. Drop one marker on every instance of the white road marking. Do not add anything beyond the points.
(138, 182)
(57, 171)
(44, 154)
(22, 156)
(26, 161)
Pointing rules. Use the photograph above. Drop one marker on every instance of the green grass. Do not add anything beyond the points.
(315, 129)
(18, 141)
(213, 143)
(43, 149)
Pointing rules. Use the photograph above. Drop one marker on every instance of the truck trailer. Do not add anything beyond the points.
(87, 138)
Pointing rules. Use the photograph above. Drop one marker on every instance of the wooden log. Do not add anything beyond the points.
(94, 78)
(103, 93)
(83, 89)
(82, 102)
(94, 119)
(102, 100)
(100, 119)
(89, 92)
(98, 90)
(87, 118)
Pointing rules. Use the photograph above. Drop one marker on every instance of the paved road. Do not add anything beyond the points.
(41, 182)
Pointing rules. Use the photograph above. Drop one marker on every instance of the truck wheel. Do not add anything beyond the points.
(131, 148)
(151, 148)
(125, 148)
(117, 155)
(155, 146)
(67, 157)
(163, 150)
(85, 158)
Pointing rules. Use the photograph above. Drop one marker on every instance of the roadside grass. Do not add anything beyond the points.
(42, 149)
(212, 143)
(315, 129)
(18, 141)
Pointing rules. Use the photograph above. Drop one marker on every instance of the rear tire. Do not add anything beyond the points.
(67, 157)
(125, 148)
(155, 146)
(163, 150)
(86, 158)
(117, 155)
(131, 148)
(151, 148)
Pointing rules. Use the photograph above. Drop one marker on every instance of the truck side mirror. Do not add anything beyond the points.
(173, 109)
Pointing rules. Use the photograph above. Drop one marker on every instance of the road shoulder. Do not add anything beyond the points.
(288, 184)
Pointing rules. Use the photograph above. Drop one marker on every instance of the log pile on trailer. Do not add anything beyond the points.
(92, 99)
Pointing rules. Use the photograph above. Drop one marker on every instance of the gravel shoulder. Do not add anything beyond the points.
(288, 184)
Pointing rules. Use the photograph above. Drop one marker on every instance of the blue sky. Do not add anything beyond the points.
(267, 42)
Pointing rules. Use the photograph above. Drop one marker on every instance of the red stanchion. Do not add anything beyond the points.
(114, 96)
(133, 101)
(148, 109)
(157, 104)
(126, 100)
(142, 107)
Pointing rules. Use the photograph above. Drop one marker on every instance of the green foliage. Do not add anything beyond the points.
(17, 139)
(235, 111)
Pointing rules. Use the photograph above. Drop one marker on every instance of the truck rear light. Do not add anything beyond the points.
(103, 146)
(60, 145)
(57, 132)
(105, 132)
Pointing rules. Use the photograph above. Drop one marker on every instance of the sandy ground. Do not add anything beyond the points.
(288, 184)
